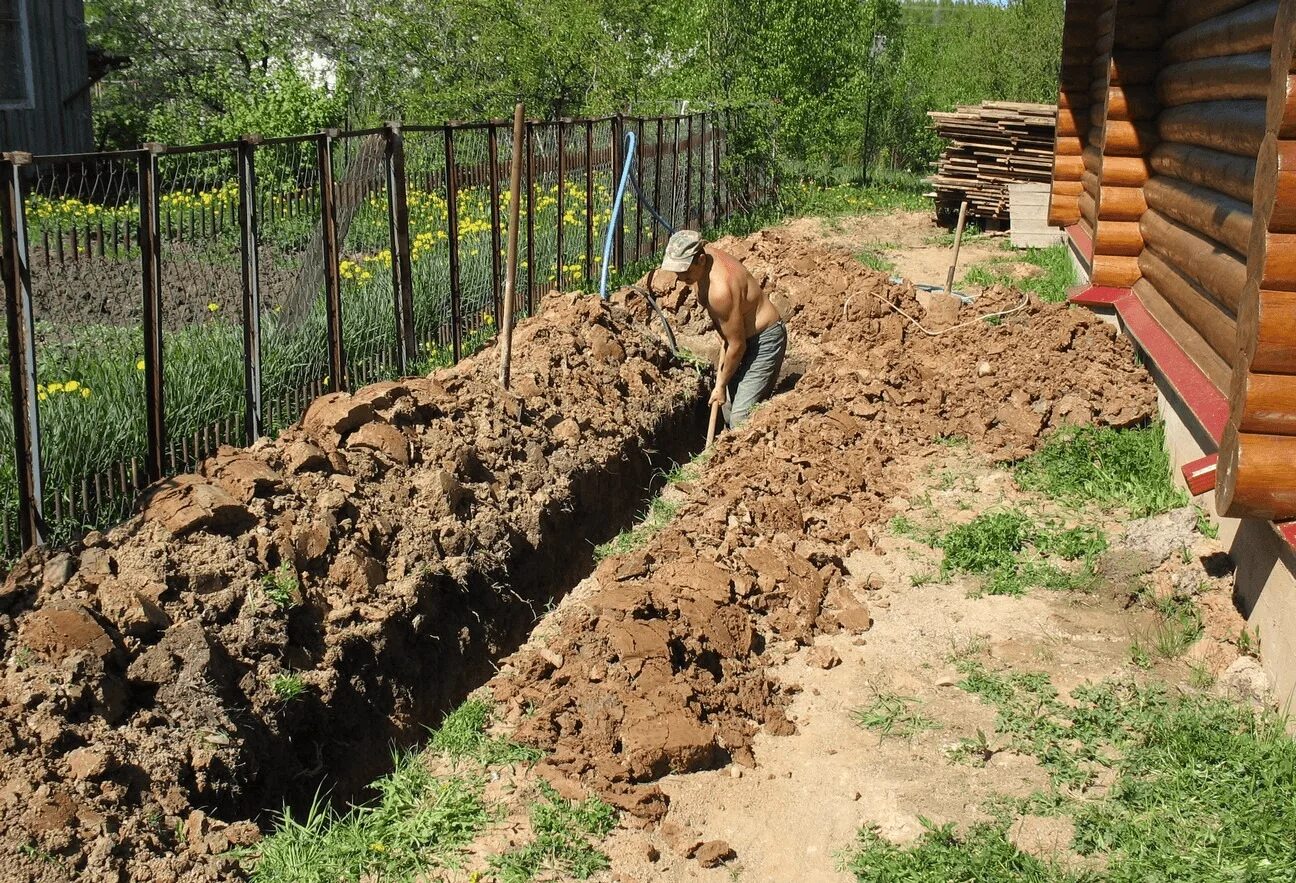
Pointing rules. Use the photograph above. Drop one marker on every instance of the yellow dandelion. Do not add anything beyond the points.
(378, 847)
(139, 364)
(71, 386)
(42, 396)
(85, 392)
(213, 307)
(55, 387)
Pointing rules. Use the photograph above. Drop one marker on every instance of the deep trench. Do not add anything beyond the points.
(428, 663)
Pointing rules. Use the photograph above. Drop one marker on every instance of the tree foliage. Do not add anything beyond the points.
(819, 80)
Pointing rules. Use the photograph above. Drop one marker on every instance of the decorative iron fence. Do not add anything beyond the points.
(165, 301)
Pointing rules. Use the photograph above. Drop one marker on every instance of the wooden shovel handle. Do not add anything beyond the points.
(711, 429)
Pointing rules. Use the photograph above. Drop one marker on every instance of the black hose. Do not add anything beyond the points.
(670, 231)
(652, 302)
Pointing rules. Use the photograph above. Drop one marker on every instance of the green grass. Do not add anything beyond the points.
(1125, 469)
(875, 257)
(1205, 790)
(419, 821)
(287, 687)
(1179, 625)
(1005, 547)
(1050, 286)
(657, 516)
(890, 714)
(463, 735)
(892, 191)
(281, 586)
(562, 833)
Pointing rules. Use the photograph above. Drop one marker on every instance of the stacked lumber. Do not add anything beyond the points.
(991, 146)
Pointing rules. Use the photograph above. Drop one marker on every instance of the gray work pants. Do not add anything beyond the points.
(758, 374)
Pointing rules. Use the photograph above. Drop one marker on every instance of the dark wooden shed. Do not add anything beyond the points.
(44, 77)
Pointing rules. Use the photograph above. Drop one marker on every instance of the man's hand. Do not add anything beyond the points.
(717, 396)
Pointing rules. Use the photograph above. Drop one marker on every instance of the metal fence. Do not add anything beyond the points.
(165, 301)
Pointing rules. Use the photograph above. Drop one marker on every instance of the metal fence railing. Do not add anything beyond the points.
(162, 302)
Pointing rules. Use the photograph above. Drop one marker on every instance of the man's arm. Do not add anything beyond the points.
(732, 329)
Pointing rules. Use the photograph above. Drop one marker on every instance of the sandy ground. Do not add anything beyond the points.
(920, 249)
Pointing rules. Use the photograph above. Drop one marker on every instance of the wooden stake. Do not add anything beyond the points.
(958, 243)
(510, 271)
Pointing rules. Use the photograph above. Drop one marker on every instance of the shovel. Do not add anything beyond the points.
(711, 429)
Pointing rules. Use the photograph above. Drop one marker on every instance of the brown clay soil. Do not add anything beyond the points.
(136, 687)
(384, 551)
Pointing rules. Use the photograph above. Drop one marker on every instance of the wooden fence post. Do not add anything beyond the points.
(150, 242)
(452, 238)
(332, 271)
(249, 243)
(22, 350)
(562, 200)
(402, 268)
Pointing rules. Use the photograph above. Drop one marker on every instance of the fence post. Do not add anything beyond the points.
(150, 242)
(702, 167)
(657, 164)
(452, 238)
(589, 199)
(249, 243)
(716, 217)
(492, 143)
(562, 200)
(530, 210)
(332, 272)
(618, 160)
(398, 224)
(22, 350)
(638, 171)
(688, 173)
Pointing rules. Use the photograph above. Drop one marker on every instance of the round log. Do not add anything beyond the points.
(1269, 405)
(1256, 476)
(1118, 238)
(1235, 127)
(1129, 139)
(1068, 188)
(1129, 68)
(1132, 103)
(1125, 171)
(1229, 174)
(1069, 122)
(1122, 204)
(1068, 168)
(1212, 214)
(1093, 158)
(1248, 29)
(1085, 203)
(1207, 317)
(1231, 78)
(1279, 262)
(1275, 334)
(1115, 271)
(1137, 32)
(1185, 335)
(1068, 147)
(1063, 211)
(1180, 15)
(1219, 271)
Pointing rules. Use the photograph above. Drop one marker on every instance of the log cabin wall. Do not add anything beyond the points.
(1257, 462)
(1129, 137)
(1099, 82)
(1197, 227)
(1075, 85)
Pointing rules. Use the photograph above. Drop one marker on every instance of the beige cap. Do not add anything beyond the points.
(683, 247)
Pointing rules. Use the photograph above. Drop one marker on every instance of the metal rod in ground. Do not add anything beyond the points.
(249, 241)
(510, 266)
(958, 243)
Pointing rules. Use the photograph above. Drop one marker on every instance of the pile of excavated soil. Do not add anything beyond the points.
(374, 559)
(660, 664)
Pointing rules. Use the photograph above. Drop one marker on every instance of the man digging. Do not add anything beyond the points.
(754, 336)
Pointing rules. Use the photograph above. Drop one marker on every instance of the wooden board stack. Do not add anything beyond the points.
(991, 146)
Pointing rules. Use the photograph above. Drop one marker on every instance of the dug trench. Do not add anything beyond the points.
(272, 626)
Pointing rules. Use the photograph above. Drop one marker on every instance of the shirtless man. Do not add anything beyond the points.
(754, 336)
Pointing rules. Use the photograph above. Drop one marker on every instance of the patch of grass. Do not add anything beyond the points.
(563, 831)
(1179, 625)
(418, 822)
(281, 586)
(659, 514)
(287, 687)
(942, 855)
(1050, 286)
(952, 441)
(874, 257)
(463, 735)
(887, 191)
(890, 714)
(1112, 468)
(1205, 526)
(988, 542)
(1248, 643)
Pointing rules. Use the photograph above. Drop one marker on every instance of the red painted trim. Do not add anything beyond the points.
(1207, 403)
(1082, 241)
(1200, 474)
(1287, 530)
(1097, 295)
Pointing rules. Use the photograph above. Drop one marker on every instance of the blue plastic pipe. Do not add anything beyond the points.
(616, 213)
